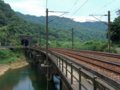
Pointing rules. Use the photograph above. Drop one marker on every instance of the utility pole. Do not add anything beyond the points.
(47, 45)
(108, 24)
(72, 38)
(109, 44)
(40, 37)
(47, 33)
(48, 38)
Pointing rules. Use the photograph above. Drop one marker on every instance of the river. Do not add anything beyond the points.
(25, 78)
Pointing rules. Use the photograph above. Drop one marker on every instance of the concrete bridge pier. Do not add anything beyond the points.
(38, 60)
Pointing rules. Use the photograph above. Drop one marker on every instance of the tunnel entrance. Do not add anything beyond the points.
(25, 40)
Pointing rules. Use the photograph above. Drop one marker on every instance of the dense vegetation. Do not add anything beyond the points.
(61, 27)
(12, 26)
(9, 56)
(115, 31)
(88, 35)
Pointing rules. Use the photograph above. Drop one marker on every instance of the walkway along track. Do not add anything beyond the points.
(105, 67)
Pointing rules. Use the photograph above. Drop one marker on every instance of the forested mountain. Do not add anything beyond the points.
(13, 24)
(83, 30)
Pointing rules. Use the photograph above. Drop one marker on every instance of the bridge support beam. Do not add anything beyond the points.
(79, 79)
(94, 83)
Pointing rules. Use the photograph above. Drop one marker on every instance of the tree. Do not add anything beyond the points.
(118, 12)
(115, 30)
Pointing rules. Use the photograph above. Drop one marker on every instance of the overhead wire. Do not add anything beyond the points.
(68, 10)
(56, 17)
(104, 6)
(75, 3)
(80, 7)
(72, 7)
(115, 11)
(98, 19)
(64, 13)
(46, 3)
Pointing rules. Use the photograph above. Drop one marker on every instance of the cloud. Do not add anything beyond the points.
(84, 19)
(87, 18)
(32, 7)
(35, 7)
(38, 8)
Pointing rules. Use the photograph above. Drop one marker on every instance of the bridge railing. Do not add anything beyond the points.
(77, 76)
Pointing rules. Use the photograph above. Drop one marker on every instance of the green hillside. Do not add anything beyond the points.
(88, 35)
(83, 30)
(11, 26)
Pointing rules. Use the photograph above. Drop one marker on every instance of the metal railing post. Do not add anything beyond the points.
(62, 65)
(66, 68)
(57, 60)
(71, 73)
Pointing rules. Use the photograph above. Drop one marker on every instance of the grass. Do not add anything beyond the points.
(8, 60)
(118, 50)
(9, 56)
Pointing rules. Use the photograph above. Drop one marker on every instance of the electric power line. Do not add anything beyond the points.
(115, 10)
(80, 7)
(46, 3)
(98, 19)
(105, 5)
(75, 3)
(56, 17)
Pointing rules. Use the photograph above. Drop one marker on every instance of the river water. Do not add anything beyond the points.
(25, 78)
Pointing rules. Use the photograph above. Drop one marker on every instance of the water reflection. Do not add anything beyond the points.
(24, 79)
(24, 84)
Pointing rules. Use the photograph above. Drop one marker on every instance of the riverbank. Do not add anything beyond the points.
(14, 65)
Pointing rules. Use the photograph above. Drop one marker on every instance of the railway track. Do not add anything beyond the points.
(112, 58)
(103, 63)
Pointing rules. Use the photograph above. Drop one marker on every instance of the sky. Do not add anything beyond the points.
(79, 10)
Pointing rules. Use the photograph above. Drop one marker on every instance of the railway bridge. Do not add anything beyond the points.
(78, 70)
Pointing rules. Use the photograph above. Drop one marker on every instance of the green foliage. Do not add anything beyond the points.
(5, 54)
(61, 27)
(115, 31)
(118, 12)
(8, 56)
(12, 26)
(93, 45)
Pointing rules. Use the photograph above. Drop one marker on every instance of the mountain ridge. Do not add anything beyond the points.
(62, 23)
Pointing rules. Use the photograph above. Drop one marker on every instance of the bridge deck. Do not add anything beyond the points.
(86, 83)
(86, 71)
